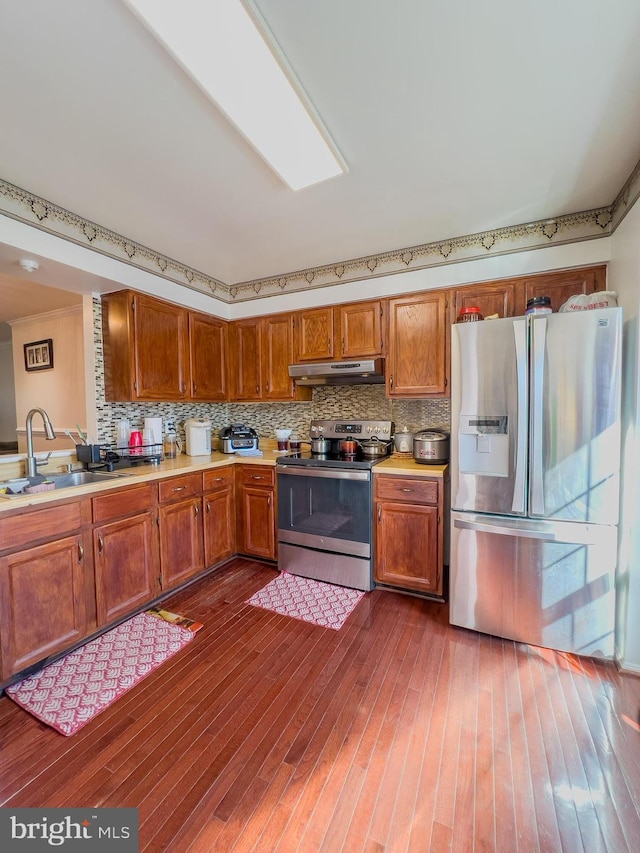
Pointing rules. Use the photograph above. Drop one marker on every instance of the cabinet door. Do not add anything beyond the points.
(245, 360)
(417, 343)
(498, 298)
(126, 566)
(208, 354)
(313, 335)
(42, 601)
(277, 355)
(258, 523)
(359, 329)
(219, 526)
(407, 547)
(181, 541)
(561, 285)
(161, 350)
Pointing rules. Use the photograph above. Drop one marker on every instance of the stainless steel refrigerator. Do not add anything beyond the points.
(535, 463)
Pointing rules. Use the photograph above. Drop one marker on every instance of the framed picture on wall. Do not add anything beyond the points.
(38, 355)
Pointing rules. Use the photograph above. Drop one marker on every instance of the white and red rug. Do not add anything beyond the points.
(321, 603)
(68, 693)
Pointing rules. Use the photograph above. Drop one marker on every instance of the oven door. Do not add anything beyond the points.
(325, 508)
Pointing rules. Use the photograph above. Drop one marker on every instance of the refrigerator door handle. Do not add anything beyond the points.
(538, 345)
(502, 530)
(520, 336)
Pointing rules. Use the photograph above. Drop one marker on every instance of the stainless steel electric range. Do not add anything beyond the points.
(325, 505)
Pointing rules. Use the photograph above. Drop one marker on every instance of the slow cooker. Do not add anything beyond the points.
(431, 447)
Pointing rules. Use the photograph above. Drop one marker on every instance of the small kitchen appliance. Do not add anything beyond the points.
(238, 437)
(431, 447)
(198, 436)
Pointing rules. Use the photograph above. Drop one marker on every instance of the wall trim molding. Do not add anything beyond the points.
(592, 224)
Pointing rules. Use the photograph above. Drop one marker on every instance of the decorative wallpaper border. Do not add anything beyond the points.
(26, 207)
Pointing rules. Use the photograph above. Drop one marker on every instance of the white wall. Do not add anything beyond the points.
(624, 278)
(7, 398)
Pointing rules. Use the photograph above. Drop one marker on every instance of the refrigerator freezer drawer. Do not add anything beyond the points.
(549, 584)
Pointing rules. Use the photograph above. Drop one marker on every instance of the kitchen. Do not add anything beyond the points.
(616, 248)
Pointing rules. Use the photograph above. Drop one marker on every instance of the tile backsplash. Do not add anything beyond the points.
(367, 402)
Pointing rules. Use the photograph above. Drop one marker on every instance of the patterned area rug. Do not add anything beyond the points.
(311, 601)
(68, 693)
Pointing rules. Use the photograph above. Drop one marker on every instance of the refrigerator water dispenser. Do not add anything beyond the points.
(484, 445)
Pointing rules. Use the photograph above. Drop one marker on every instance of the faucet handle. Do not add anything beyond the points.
(43, 461)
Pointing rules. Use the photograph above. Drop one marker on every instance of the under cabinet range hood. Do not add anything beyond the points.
(354, 372)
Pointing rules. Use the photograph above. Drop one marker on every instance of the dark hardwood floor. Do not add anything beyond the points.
(396, 733)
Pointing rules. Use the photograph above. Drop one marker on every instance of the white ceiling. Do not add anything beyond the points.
(453, 117)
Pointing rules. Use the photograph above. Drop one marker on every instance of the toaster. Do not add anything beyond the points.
(238, 437)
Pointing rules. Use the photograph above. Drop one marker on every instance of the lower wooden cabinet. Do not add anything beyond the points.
(125, 552)
(409, 532)
(181, 529)
(256, 508)
(43, 601)
(219, 515)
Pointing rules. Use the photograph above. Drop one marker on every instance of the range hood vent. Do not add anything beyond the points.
(356, 372)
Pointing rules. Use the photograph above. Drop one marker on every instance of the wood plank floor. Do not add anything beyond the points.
(396, 733)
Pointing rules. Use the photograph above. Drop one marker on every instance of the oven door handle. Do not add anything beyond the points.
(331, 473)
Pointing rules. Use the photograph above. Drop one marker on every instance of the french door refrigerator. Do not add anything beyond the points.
(535, 459)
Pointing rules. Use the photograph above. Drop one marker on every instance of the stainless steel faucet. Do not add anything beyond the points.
(32, 462)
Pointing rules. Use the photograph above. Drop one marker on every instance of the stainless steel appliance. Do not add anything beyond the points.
(325, 505)
(431, 447)
(535, 460)
(238, 437)
(354, 372)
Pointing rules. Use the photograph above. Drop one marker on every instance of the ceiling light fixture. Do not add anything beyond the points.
(223, 45)
(29, 264)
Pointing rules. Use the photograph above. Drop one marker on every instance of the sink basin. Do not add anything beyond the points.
(74, 478)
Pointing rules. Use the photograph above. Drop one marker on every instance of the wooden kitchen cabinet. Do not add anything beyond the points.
(46, 587)
(359, 329)
(256, 511)
(417, 345)
(208, 348)
(125, 551)
(491, 298)
(181, 529)
(354, 330)
(560, 286)
(409, 533)
(245, 360)
(219, 515)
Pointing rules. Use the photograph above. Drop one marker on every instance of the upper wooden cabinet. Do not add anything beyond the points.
(260, 352)
(417, 345)
(497, 297)
(208, 358)
(149, 354)
(355, 330)
(560, 286)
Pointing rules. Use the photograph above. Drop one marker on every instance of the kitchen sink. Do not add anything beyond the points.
(72, 479)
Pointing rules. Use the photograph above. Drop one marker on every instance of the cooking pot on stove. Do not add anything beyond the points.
(320, 445)
(374, 447)
(349, 446)
(431, 447)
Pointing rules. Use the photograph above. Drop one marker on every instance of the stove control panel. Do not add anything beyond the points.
(354, 427)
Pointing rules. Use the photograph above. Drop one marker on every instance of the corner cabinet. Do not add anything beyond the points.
(155, 350)
(409, 533)
(417, 345)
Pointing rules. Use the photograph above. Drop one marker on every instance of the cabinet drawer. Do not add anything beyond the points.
(123, 502)
(178, 488)
(258, 475)
(46, 523)
(406, 489)
(219, 478)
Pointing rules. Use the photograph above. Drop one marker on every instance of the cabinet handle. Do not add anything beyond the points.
(208, 507)
(179, 488)
(328, 344)
(343, 345)
(100, 543)
(196, 509)
(269, 500)
(80, 552)
(195, 387)
(402, 489)
(218, 479)
(257, 477)
(379, 513)
(391, 381)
